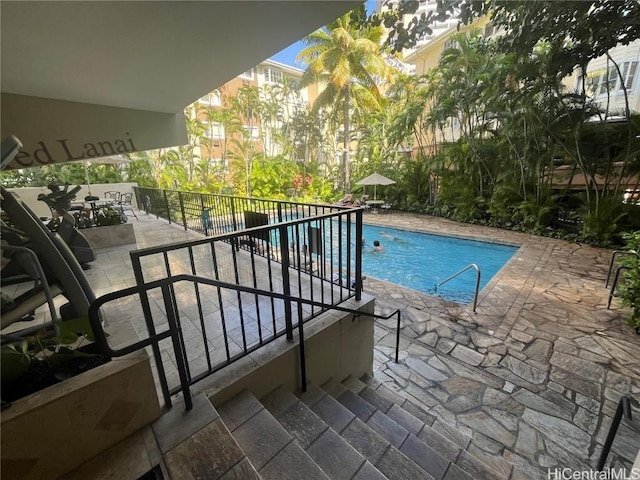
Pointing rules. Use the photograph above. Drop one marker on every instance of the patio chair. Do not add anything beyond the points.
(346, 200)
(112, 195)
(385, 207)
(125, 204)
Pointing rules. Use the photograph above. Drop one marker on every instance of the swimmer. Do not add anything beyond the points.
(377, 247)
(392, 237)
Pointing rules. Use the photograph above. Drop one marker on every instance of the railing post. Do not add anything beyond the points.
(184, 217)
(166, 202)
(170, 308)
(398, 337)
(286, 286)
(358, 273)
(303, 363)
(232, 200)
(475, 295)
(624, 407)
(151, 329)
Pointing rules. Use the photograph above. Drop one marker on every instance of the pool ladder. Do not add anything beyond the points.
(475, 295)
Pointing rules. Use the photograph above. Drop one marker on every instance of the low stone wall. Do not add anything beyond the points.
(53, 431)
(110, 235)
(336, 345)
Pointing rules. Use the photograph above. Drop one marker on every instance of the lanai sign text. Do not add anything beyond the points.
(63, 150)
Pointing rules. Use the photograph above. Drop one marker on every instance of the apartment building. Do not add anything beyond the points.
(269, 77)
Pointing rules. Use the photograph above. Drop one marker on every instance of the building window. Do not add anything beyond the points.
(214, 131)
(604, 80)
(253, 131)
(271, 75)
(212, 98)
(249, 74)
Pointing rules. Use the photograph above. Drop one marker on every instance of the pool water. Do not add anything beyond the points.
(420, 261)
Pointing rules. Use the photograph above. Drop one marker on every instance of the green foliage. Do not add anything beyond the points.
(46, 352)
(630, 290)
(602, 224)
(109, 216)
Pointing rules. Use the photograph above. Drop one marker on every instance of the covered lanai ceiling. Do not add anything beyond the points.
(82, 77)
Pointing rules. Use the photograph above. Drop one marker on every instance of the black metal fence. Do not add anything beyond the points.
(253, 285)
(212, 214)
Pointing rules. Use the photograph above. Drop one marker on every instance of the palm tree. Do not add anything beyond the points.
(346, 56)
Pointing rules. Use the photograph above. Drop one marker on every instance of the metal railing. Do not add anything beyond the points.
(212, 214)
(475, 295)
(612, 261)
(622, 411)
(175, 332)
(614, 284)
(239, 300)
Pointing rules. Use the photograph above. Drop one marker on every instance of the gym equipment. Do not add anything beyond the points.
(59, 201)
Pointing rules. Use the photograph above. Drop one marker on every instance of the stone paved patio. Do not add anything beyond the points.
(533, 378)
(535, 375)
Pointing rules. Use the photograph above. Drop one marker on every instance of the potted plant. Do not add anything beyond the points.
(84, 410)
(47, 357)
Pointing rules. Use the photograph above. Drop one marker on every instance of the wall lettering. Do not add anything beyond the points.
(62, 150)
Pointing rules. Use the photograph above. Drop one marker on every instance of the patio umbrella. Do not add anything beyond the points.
(375, 179)
(110, 160)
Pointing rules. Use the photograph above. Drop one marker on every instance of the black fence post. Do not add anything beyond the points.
(286, 286)
(166, 202)
(184, 217)
(358, 273)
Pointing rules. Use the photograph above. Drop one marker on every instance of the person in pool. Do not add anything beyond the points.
(391, 237)
(377, 247)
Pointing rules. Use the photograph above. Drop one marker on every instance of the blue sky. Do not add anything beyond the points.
(288, 55)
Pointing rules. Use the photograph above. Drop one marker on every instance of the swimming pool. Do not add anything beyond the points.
(419, 261)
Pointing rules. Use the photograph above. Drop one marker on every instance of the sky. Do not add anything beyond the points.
(288, 55)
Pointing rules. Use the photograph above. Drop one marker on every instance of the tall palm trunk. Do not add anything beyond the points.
(347, 170)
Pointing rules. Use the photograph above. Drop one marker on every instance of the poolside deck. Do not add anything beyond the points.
(531, 380)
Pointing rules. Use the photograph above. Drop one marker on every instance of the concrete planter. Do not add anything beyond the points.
(53, 431)
(110, 235)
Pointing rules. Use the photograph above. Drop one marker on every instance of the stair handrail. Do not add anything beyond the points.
(475, 295)
(173, 331)
(613, 258)
(622, 411)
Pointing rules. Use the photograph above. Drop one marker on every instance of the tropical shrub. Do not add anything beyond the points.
(630, 291)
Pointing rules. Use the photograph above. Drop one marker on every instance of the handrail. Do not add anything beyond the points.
(613, 257)
(173, 331)
(475, 296)
(623, 410)
(612, 290)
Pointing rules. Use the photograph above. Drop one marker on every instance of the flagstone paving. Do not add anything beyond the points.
(535, 375)
(527, 383)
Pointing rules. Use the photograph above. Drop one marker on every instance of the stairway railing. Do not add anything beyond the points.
(175, 333)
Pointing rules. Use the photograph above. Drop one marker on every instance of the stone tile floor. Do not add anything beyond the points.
(533, 377)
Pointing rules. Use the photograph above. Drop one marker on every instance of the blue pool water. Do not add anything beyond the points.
(419, 261)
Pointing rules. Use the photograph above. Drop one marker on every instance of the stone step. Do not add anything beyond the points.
(337, 458)
(420, 453)
(379, 452)
(270, 448)
(447, 442)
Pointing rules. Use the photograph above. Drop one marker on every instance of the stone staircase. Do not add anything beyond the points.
(357, 429)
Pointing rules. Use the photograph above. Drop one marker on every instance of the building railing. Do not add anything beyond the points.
(212, 214)
(316, 259)
(175, 332)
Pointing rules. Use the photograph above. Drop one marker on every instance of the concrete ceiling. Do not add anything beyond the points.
(156, 56)
(86, 79)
